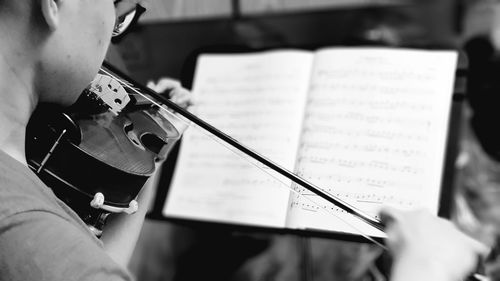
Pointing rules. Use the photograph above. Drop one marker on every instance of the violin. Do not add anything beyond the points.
(97, 154)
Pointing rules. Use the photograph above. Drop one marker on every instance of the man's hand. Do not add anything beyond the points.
(178, 94)
(426, 247)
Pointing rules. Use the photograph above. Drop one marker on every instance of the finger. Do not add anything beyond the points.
(152, 85)
(181, 98)
(183, 104)
(167, 83)
(388, 215)
(164, 84)
(179, 92)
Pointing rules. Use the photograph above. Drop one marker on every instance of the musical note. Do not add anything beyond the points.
(367, 127)
(263, 110)
(370, 134)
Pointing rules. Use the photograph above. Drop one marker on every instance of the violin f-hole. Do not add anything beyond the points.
(131, 135)
(146, 141)
(153, 143)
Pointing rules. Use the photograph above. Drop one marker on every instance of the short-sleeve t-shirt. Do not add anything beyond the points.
(41, 238)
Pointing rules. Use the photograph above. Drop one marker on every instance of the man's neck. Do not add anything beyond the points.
(18, 99)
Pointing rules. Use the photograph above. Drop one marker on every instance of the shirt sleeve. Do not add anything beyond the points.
(39, 245)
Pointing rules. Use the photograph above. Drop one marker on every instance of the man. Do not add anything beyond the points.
(49, 51)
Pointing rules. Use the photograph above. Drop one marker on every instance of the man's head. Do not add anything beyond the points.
(64, 40)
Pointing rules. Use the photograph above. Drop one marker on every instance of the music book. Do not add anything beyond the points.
(368, 125)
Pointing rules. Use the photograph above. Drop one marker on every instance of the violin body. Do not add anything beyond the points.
(95, 159)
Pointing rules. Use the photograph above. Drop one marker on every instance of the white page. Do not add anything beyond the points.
(375, 133)
(258, 99)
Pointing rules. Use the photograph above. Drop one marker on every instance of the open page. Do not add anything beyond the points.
(259, 100)
(374, 133)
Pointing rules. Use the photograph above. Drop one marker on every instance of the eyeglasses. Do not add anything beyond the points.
(125, 21)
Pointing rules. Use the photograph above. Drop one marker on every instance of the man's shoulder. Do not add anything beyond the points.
(21, 190)
(40, 239)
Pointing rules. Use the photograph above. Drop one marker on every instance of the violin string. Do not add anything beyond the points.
(259, 166)
(289, 188)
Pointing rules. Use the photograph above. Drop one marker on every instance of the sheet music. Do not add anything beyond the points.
(374, 132)
(259, 100)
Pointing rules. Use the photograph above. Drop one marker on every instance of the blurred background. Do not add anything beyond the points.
(172, 32)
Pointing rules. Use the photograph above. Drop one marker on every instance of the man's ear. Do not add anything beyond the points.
(50, 12)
